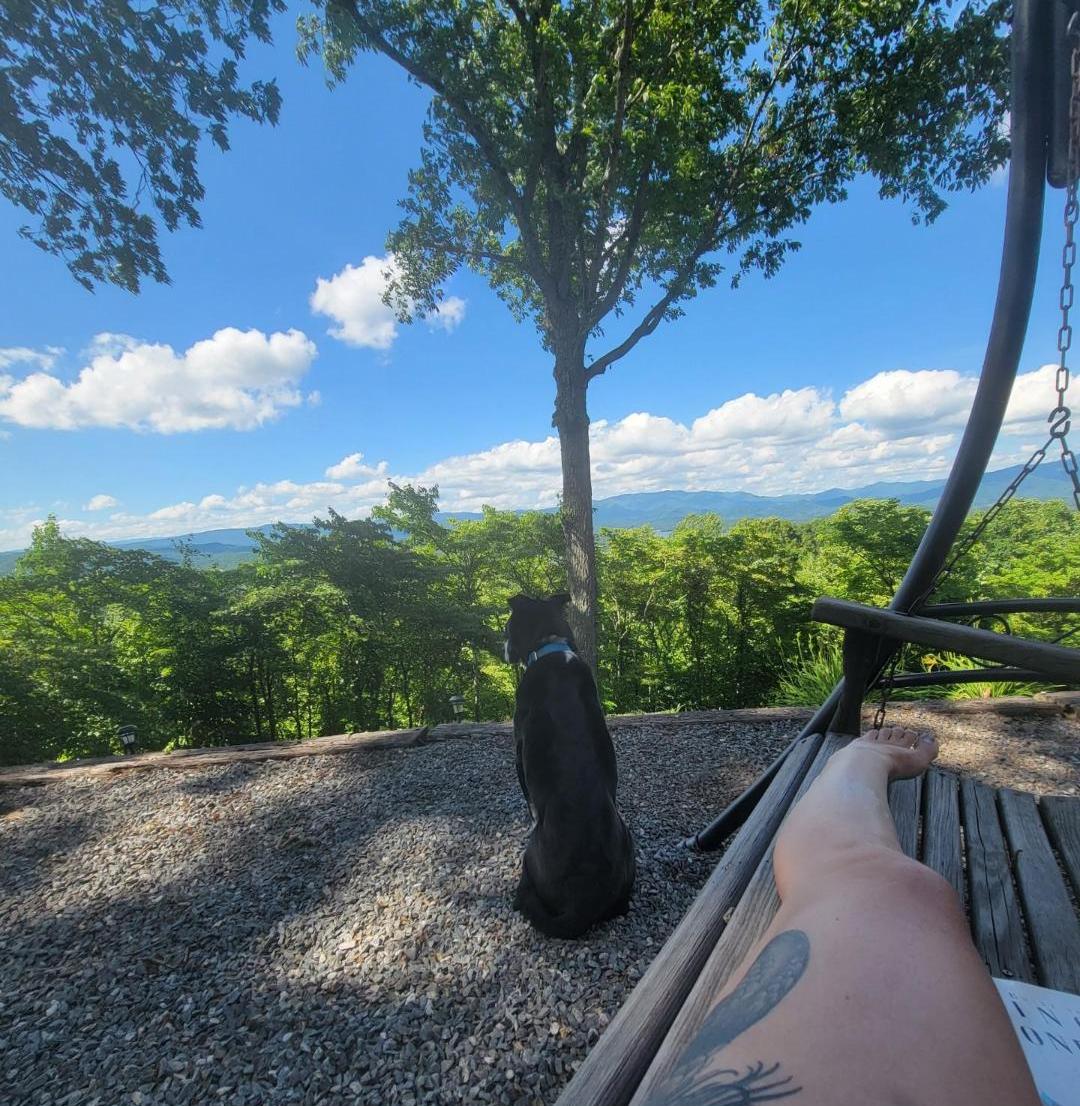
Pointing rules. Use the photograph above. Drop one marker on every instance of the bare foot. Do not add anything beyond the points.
(905, 752)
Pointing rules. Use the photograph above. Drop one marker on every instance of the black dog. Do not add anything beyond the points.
(578, 868)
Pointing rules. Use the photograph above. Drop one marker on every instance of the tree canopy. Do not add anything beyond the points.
(357, 625)
(103, 107)
(600, 159)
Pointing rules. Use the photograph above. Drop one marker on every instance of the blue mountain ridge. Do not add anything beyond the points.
(661, 510)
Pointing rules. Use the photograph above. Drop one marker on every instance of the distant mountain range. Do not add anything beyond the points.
(661, 510)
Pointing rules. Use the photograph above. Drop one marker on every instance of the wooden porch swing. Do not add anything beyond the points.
(1009, 856)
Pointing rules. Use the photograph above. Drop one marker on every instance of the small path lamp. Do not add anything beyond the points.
(457, 705)
(127, 738)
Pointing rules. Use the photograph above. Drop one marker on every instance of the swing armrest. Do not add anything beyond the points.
(1054, 662)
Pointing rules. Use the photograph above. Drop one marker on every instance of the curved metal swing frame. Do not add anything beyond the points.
(1038, 130)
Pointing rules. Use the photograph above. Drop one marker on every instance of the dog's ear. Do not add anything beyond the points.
(559, 601)
(519, 601)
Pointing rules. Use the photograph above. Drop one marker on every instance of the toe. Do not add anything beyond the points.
(924, 749)
(891, 735)
(926, 743)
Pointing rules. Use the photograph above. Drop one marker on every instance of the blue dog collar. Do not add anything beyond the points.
(546, 650)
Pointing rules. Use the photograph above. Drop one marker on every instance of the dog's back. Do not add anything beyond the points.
(578, 868)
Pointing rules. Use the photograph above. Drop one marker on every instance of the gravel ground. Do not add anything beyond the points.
(337, 929)
(1041, 755)
(329, 929)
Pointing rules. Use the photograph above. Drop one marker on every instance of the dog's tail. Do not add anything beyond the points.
(566, 924)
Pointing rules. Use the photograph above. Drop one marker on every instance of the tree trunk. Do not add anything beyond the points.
(572, 421)
(254, 678)
(268, 695)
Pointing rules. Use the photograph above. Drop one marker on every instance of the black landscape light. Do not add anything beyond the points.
(457, 705)
(127, 738)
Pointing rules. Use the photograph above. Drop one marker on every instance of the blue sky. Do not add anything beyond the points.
(224, 398)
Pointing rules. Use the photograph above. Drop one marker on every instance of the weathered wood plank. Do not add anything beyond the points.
(1051, 920)
(751, 918)
(904, 802)
(995, 912)
(941, 828)
(1057, 661)
(616, 1064)
(1061, 816)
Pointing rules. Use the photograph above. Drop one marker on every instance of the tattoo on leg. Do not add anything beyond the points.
(778, 967)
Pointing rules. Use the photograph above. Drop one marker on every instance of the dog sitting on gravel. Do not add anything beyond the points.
(578, 868)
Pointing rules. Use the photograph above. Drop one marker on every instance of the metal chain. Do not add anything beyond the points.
(886, 683)
(984, 523)
(1060, 418)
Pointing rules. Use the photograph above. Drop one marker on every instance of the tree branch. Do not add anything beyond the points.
(679, 284)
(629, 241)
(709, 240)
(648, 324)
(622, 61)
(472, 125)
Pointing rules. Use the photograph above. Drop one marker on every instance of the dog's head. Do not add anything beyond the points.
(534, 622)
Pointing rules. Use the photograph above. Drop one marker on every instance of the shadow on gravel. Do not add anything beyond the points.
(232, 780)
(27, 855)
(341, 935)
(170, 956)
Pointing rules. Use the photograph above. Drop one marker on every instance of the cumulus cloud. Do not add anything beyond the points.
(793, 415)
(353, 298)
(234, 380)
(23, 355)
(791, 441)
(352, 468)
(934, 399)
(100, 503)
(448, 315)
(903, 399)
(1033, 397)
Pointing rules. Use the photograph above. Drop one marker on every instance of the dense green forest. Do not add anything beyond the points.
(371, 623)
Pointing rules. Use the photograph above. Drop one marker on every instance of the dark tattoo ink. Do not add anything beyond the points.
(778, 967)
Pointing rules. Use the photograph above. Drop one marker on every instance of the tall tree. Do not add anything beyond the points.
(600, 158)
(103, 106)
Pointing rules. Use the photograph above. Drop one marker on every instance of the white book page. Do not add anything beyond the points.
(1048, 1026)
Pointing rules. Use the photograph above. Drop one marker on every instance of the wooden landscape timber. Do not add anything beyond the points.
(1046, 704)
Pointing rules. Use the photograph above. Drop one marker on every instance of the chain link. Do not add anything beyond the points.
(985, 522)
(887, 684)
(1060, 418)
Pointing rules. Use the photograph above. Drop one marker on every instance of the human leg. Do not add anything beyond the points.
(866, 988)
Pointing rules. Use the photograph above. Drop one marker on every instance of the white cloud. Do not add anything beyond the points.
(101, 503)
(23, 355)
(448, 315)
(352, 467)
(902, 399)
(353, 298)
(234, 380)
(793, 415)
(1033, 397)
(792, 441)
